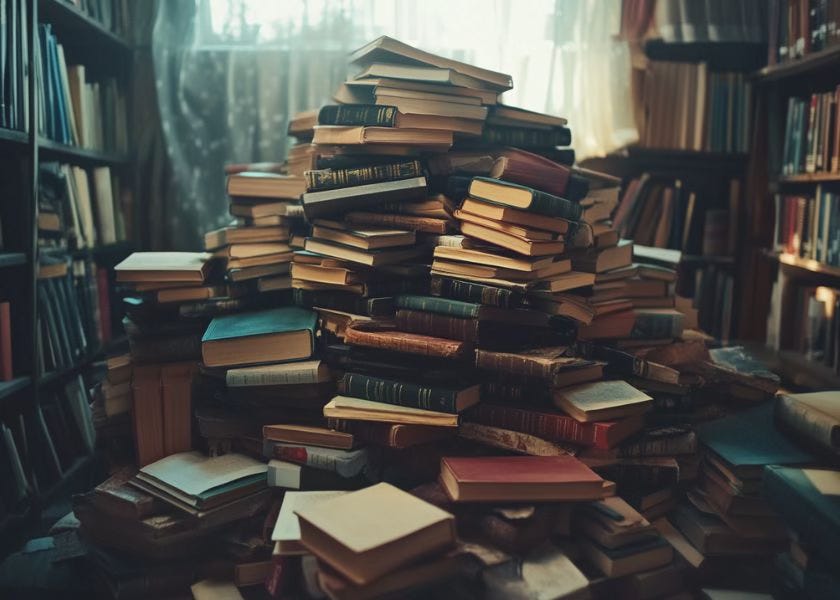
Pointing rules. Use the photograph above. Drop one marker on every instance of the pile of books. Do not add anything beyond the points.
(475, 388)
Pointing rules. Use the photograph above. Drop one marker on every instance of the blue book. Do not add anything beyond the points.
(267, 336)
(748, 441)
(808, 501)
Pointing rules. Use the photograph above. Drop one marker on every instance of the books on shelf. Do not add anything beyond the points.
(798, 29)
(812, 134)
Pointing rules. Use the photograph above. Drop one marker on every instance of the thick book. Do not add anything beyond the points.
(116, 497)
(808, 501)
(813, 417)
(527, 137)
(383, 335)
(523, 198)
(274, 335)
(467, 291)
(519, 479)
(346, 463)
(513, 243)
(602, 401)
(358, 409)
(535, 171)
(550, 364)
(341, 135)
(345, 302)
(555, 426)
(454, 328)
(657, 324)
(401, 221)
(470, 310)
(286, 532)
(295, 373)
(637, 557)
(261, 184)
(513, 441)
(329, 179)
(189, 267)
(342, 200)
(360, 237)
(515, 216)
(312, 436)
(404, 393)
(392, 435)
(389, 529)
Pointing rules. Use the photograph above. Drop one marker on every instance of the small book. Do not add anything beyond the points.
(188, 267)
(275, 335)
(286, 533)
(524, 198)
(358, 409)
(310, 436)
(295, 373)
(519, 479)
(602, 401)
(261, 184)
(389, 528)
(367, 239)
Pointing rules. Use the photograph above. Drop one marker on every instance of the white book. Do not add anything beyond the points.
(105, 204)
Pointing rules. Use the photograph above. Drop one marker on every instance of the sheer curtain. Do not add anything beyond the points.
(230, 73)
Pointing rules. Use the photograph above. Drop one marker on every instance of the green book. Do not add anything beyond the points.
(504, 193)
(266, 336)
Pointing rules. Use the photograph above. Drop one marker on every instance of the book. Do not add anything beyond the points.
(263, 184)
(402, 393)
(116, 497)
(533, 170)
(382, 335)
(312, 436)
(188, 267)
(512, 242)
(545, 571)
(549, 364)
(514, 441)
(240, 235)
(349, 464)
(327, 179)
(147, 414)
(400, 221)
(391, 435)
(274, 335)
(555, 426)
(466, 291)
(536, 138)
(523, 198)
(286, 533)
(296, 476)
(814, 417)
(382, 516)
(605, 259)
(367, 239)
(6, 371)
(469, 310)
(176, 400)
(358, 409)
(337, 134)
(602, 401)
(518, 479)
(505, 214)
(612, 523)
(303, 372)
(319, 204)
(493, 258)
(632, 558)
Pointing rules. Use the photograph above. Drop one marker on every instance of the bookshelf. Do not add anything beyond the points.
(790, 281)
(36, 389)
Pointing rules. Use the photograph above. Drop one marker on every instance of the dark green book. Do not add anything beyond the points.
(524, 137)
(505, 193)
(657, 324)
(358, 115)
(328, 179)
(808, 501)
(392, 391)
(266, 336)
(470, 310)
(468, 291)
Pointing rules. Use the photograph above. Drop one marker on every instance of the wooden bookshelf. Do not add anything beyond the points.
(809, 178)
(720, 56)
(809, 265)
(71, 22)
(808, 65)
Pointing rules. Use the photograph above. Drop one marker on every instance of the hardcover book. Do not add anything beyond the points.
(602, 401)
(523, 198)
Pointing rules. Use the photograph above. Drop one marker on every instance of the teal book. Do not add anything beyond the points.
(266, 336)
(808, 501)
(504, 193)
(441, 306)
(749, 440)
(403, 393)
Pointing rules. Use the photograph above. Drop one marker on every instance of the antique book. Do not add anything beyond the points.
(342, 200)
(294, 476)
(512, 242)
(304, 434)
(467, 291)
(544, 572)
(537, 138)
(554, 426)
(613, 523)
(367, 239)
(262, 184)
(518, 231)
(417, 321)
(328, 179)
(523, 198)
(494, 258)
(515, 441)
(115, 496)
(345, 302)
(338, 134)
(416, 223)
(813, 417)
(550, 364)
(176, 398)
(602, 400)
(515, 216)
(147, 414)
(247, 210)
(389, 529)
(274, 335)
(605, 259)
(375, 334)
(189, 267)
(294, 373)
(392, 435)
(245, 235)
(518, 479)
(403, 393)
(533, 170)
(470, 310)
(632, 558)
(370, 258)
(286, 533)
(353, 409)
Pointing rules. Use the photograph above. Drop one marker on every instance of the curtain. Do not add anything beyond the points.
(230, 73)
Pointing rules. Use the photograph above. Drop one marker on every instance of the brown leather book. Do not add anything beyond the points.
(545, 363)
(408, 222)
(392, 435)
(147, 414)
(515, 441)
(611, 326)
(382, 335)
(116, 497)
(310, 436)
(416, 321)
(519, 479)
(176, 380)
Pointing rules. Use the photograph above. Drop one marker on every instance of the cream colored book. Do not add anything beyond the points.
(344, 407)
(286, 533)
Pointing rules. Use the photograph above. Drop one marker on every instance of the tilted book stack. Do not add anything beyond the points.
(475, 388)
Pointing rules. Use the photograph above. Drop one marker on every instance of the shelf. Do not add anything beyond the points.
(7, 388)
(79, 465)
(720, 56)
(809, 178)
(80, 156)
(822, 60)
(12, 259)
(13, 136)
(633, 159)
(53, 376)
(75, 24)
(810, 265)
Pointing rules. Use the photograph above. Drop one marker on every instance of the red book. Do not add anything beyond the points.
(5, 342)
(519, 479)
(555, 426)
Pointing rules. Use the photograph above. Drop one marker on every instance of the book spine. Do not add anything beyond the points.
(668, 446)
(443, 326)
(358, 115)
(511, 363)
(411, 223)
(655, 326)
(515, 441)
(389, 391)
(405, 342)
(812, 425)
(523, 137)
(555, 206)
(338, 462)
(257, 377)
(551, 427)
(372, 307)
(515, 393)
(441, 306)
(327, 179)
(468, 291)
